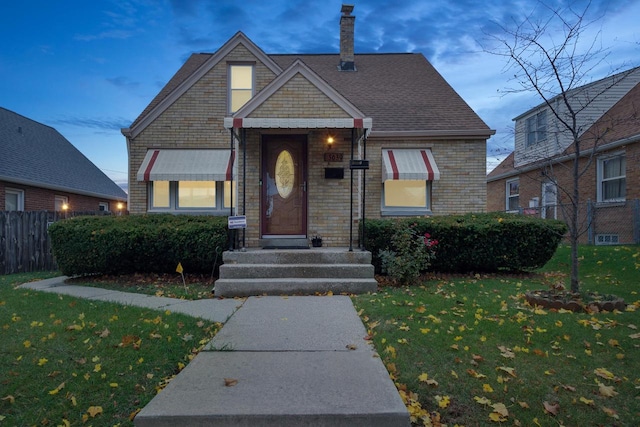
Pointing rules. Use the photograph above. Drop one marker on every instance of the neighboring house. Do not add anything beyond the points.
(304, 144)
(41, 170)
(537, 176)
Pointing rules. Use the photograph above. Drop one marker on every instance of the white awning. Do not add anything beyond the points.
(415, 164)
(186, 165)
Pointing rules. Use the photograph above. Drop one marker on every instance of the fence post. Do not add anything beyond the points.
(636, 221)
(590, 217)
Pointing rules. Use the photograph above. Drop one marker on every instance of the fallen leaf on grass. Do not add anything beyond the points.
(551, 408)
(482, 400)
(604, 373)
(506, 352)
(9, 398)
(500, 413)
(586, 401)
(94, 410)
(568, 387)
(635, 336)
(230, 382)
(475, 374)
(510, 371)
(105, 333)
(606, 391)
(57, 389)
(611, 412)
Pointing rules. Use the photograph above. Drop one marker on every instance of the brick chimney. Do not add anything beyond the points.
(347, 23)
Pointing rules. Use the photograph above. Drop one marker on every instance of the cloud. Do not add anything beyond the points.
(123, 82)
(93, 123)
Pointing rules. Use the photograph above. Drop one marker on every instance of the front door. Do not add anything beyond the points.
(284, 186)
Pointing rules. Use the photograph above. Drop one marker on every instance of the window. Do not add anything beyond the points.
(103, 206)
(195, 196)
(612, 179)
(536, 128)
(61, 203)
(549, 200)
(406, 197)
(240, 86)
(513, 195)
(13, 200)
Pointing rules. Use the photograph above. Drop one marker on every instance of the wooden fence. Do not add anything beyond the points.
(24, 242)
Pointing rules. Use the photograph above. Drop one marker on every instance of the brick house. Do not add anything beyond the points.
(536, 177)
(41, 170)
(311, 142)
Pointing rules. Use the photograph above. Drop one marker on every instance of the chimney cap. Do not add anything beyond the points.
(347, 9)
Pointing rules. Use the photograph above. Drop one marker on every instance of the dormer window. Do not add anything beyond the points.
(536, 128)
(240, 85)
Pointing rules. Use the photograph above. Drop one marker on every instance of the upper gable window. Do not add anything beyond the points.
(240, 85)
(537, 128)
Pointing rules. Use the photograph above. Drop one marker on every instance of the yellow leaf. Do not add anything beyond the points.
(425, 330)
(539, 311)
(97, 368)
(113, 385)
(604, 373)
(9, 398)
(423, 377)
(614, 343)
(487, 388)
(523, 405)
(496, 417)
(482, 400)
(94, 410)
(510, 371)
(27, 344)
(501, 409)
(443, 401)
(66, 422)
(606, 391)
(57, 389)
(586, 401)
(612, 413)
(454, 374)
(42, 361)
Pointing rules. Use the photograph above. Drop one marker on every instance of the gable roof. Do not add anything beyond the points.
(402, 93)
(618, 126)
(38, 155)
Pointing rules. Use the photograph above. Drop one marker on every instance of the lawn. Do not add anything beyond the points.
(470, 351)
(66, 361)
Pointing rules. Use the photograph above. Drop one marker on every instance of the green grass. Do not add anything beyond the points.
(68, 361)
(456, 346)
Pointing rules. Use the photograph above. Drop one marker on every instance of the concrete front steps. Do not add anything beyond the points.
(295, 272)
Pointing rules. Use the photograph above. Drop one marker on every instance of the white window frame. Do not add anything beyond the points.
(174, 207)
(601, 180)
(19, 198)
(406, 211)
(509, 196)
(535, 128)
(103, 206)
(230, 88)
(61, 201)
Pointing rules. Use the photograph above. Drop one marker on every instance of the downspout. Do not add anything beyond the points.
(231, 232)
(364, 188)
(244, 182)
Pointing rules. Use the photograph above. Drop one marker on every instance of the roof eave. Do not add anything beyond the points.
(54, 187)
(435, 134)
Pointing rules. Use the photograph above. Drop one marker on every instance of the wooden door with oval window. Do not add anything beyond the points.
(284, 186)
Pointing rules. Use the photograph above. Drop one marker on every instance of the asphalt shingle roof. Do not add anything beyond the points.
(38, 155)
(401, 92)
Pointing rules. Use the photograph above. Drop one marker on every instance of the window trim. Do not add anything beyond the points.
(600, 180)
(105, 205)
(539, 130)
(174, 207)
(407, 211)
(63, 199)
(230, 89)
(508, 196)
(19, 198)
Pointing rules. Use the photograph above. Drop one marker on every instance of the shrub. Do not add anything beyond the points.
(487, 242)
(138, 243)
(409, 254)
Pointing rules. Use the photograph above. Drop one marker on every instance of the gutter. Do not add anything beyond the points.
(565, 157)
(61, 188)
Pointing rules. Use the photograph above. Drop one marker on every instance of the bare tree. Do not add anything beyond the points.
(554, 53)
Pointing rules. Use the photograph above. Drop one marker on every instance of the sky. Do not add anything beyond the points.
(89, 67)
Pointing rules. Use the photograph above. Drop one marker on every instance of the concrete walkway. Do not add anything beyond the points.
(278, 361)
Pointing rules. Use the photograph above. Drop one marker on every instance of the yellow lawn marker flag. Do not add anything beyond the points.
(180, 270)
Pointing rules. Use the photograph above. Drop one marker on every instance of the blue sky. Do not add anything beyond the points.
(89, 68)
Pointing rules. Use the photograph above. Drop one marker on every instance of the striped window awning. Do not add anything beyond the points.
(415, 164)
(186, 165)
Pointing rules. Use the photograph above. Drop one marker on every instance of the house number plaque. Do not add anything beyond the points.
(333, 157)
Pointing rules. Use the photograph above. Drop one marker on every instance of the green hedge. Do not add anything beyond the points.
(138, 243)
(489, 242)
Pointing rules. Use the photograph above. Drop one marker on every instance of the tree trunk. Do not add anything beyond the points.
(575, 209)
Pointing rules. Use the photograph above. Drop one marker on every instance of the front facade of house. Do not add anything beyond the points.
(306, 145)
(537, 176)
(41, 170)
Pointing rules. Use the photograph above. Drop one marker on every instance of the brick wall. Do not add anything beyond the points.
(41, 199)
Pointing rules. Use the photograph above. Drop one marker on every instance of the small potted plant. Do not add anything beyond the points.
(316, 241)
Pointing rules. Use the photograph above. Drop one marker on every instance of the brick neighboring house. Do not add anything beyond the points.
(535, 178)
(41, 170)
(289, 130)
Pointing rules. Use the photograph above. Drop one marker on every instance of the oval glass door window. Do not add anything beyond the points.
(284, 174)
